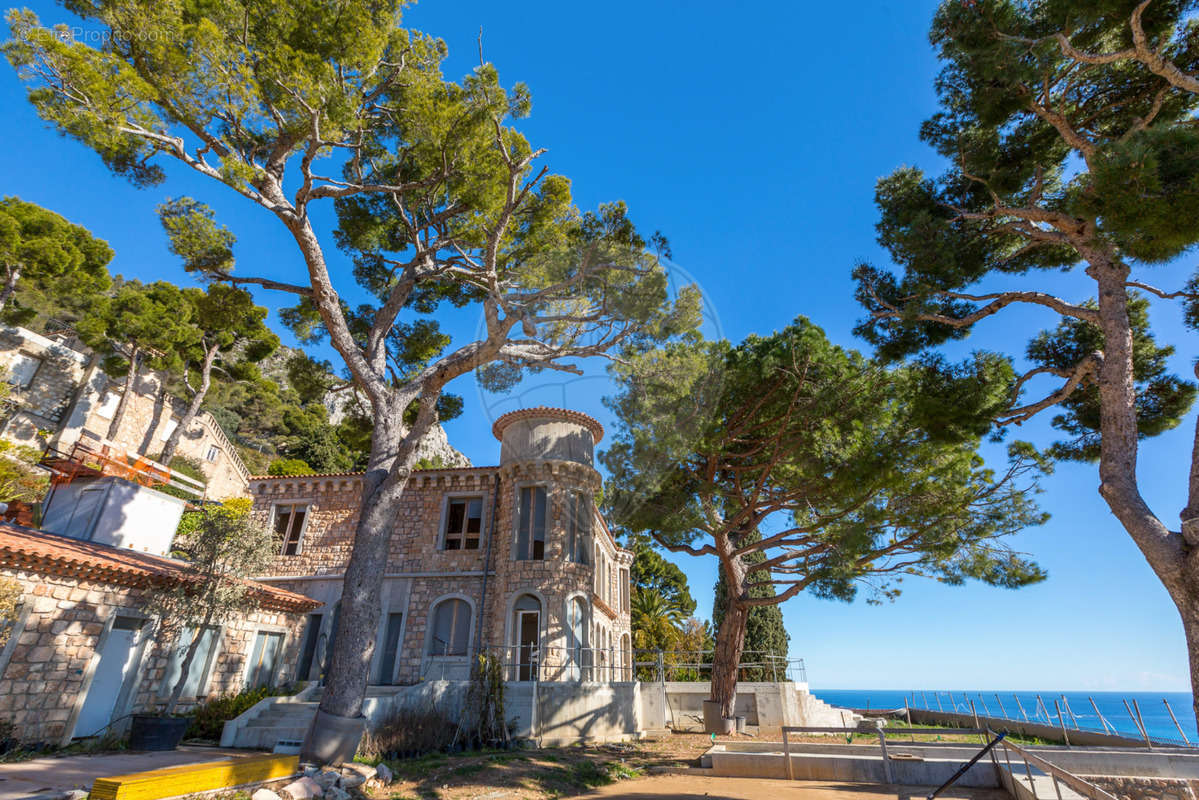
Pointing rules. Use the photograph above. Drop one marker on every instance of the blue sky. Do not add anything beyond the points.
(752, 136)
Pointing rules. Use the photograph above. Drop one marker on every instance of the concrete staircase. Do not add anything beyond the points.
(271, 722)
(276, 721)
(816, 713)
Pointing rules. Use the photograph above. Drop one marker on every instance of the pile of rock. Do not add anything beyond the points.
(329, 783)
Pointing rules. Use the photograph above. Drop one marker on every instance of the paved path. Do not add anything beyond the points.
(51, 776)
(688, 787)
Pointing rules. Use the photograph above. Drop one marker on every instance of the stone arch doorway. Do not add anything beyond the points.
(526, 628)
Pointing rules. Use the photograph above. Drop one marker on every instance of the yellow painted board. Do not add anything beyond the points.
(190, 778)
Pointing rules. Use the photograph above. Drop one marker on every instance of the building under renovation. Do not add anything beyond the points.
(513, 558)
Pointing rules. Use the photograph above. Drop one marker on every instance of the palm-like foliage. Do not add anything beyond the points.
(657, 621)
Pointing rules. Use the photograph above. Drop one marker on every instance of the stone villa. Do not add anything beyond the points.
(57, 387)
(81, 652)
(514, 559)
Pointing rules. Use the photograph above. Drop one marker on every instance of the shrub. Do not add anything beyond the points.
(289, 466)
(210, 717)
(406, 733)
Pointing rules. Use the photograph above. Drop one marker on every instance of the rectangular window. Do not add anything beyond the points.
(463, 524)
(264, 659)
(624, 590)
(22, 370)
(391, 647)
(213, 452)
(530, 534)
(289, 527)
(578, 539)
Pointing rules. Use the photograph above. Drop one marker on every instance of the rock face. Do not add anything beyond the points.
(437, 450)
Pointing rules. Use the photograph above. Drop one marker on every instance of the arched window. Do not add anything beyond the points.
(626, 658)
(526, 628)
(576, 632)
(451, 628)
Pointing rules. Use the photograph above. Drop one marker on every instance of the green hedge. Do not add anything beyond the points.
(210, 717)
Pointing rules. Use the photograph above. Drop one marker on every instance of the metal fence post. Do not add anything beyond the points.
(1176, 725)
(882, 743)
(787, 756)
(1141, 722)
(1061, 721)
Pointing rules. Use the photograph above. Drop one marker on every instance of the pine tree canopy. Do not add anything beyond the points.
(849, 471)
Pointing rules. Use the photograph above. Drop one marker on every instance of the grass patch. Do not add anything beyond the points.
(582, 775)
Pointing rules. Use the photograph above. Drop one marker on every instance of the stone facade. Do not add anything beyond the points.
(77, 599)
(581, 605)
(1146, 788)
(58, 388)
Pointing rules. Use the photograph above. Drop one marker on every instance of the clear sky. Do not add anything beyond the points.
(752, 135)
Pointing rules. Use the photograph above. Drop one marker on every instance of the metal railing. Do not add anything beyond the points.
(1061, 717)
(610, 664)
(696, 665)
(1055, 773)
(990, 738)
(880, 731)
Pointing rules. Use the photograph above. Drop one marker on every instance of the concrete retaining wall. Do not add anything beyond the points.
(678, 705)
(556, 714)
(856, 763)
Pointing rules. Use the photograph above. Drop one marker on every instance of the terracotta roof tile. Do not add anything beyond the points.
(51, 554)
(544, 412)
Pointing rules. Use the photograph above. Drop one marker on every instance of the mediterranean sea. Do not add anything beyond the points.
(998, 703)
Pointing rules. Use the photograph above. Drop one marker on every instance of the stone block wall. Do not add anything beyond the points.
(1146, 788)
(48, 664)
(66, 396)
(429, 573)
(45, 401)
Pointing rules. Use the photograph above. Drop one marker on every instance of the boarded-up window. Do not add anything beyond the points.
(451, 628)
(578, 537)
(530, 533)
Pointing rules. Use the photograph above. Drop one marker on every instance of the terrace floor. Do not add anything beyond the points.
(706, 788)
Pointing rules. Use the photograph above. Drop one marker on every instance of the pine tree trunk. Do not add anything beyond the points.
(193, 408)
(1173, 557)
(393, 451)
(10, 286)
(730, 640)
(135, 363)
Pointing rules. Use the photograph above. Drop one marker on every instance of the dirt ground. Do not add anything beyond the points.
(631, 770)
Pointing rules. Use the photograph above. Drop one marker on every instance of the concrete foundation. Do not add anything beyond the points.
(552, 712)
(910, 766)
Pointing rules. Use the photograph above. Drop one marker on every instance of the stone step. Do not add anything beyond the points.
(267, 738)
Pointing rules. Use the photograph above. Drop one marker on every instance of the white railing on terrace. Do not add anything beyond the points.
(545, 663)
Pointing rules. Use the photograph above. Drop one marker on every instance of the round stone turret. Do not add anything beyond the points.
(547, 434)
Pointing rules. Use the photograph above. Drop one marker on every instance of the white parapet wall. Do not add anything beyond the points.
(678, 705)
(557, 712)
(552, 713)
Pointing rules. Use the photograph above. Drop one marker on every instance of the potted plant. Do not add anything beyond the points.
(224, 546)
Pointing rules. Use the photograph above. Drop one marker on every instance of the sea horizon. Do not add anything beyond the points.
(1078, 708)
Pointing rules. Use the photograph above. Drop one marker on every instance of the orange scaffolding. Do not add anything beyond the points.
(89, 458)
